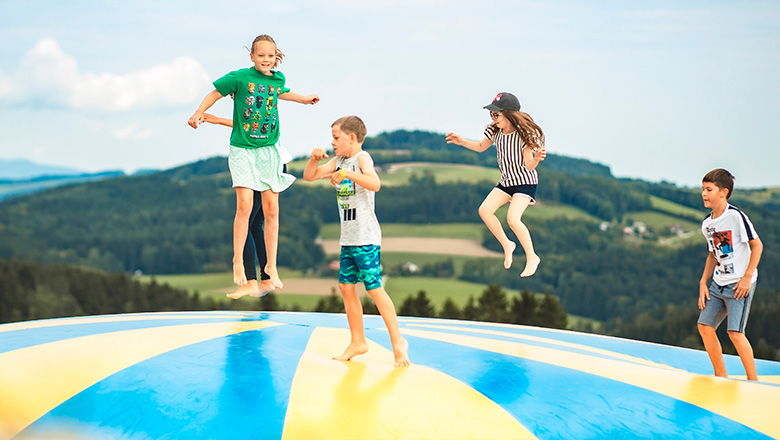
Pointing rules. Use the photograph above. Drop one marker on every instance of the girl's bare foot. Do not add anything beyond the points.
(239, 277)
(275, 280)
(399, 351)
(250, 288)
(265, 288)
(508, 251)
(531, 263)
(352, 351)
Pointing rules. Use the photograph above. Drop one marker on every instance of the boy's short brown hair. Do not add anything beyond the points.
(352, 125)
(721, 178)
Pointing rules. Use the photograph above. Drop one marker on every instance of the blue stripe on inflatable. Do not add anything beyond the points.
(226, 388)
(560, 403)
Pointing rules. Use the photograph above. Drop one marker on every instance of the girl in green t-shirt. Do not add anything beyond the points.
(255, 153)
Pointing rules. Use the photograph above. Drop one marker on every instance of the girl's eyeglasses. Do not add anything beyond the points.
(494, 115)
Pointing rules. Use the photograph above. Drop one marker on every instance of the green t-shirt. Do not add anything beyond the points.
(255, 100)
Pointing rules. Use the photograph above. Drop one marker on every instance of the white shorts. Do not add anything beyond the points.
(260, 168)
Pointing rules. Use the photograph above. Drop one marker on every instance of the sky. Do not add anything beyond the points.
(656, 90)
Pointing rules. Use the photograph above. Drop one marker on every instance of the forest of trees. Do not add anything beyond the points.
(180, 221)
(32, 290)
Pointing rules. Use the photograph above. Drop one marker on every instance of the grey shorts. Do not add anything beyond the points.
(722, 304)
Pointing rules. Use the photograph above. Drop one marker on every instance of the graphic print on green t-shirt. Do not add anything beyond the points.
(255, 106)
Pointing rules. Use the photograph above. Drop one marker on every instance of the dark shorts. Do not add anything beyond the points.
(360, 263)
(526, 190)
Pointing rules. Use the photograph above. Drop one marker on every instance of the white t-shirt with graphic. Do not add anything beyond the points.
(727, 238)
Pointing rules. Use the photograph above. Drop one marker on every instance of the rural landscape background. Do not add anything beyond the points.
(619, 256)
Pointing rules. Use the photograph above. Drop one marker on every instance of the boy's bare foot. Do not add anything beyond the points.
(508, 251)
(399, 351)
(275, 280)
(250, 288)
(265, 288)
(531, 263)
(351, 351)
(239, 277)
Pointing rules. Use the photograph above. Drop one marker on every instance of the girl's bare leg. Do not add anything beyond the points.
(514, 219)
(487, 211)
(240, 230)
(386, 308)
(353, 307)
(271, 234)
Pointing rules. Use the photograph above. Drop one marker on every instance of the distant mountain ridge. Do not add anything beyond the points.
(17, 187)
(17, 169)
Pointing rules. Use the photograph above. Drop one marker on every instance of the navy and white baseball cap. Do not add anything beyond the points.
(504, 101)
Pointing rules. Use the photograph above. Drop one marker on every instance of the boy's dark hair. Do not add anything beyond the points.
(352, 125)
(722, 179)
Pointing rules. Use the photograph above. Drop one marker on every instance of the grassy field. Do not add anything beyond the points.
(467, 231)
(661, 222)
(676, 209)
(399, 288)
(757, 196)
(401, 173)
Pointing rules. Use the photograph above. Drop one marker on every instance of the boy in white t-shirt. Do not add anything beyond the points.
(732, 263)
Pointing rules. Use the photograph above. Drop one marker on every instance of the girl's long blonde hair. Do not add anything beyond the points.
(531, 133)
(268, 38)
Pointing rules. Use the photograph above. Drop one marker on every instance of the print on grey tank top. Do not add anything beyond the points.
(359, 225)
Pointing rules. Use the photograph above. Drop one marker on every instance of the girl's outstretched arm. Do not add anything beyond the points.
(295, 97)
(197, 118)
(479, 147)
(531, 157)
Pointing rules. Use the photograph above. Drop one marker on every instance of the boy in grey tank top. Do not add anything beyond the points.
(352, 173)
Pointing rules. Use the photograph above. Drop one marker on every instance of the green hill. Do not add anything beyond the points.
(597, 257)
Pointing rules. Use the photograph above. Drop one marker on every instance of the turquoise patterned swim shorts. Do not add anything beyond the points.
(360, 263)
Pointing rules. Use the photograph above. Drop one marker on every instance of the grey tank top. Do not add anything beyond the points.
(359, 225)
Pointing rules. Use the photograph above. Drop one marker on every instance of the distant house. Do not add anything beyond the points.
(410, 267)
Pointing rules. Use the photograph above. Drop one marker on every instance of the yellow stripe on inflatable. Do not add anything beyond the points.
(581, 347)
(368, 397)
(749, 403)
(35, 380)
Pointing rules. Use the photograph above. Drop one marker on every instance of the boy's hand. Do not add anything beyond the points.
(318, 154)
(196, 119)
(704, 295)
(742, 288)
(335, 178)
(311, 99)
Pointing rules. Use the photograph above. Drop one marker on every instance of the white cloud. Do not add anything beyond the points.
(131, 132)
(49, 77)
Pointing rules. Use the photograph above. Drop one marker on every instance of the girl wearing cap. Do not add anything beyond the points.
(519, 149)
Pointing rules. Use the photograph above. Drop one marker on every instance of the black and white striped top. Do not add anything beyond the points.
(509, 154)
